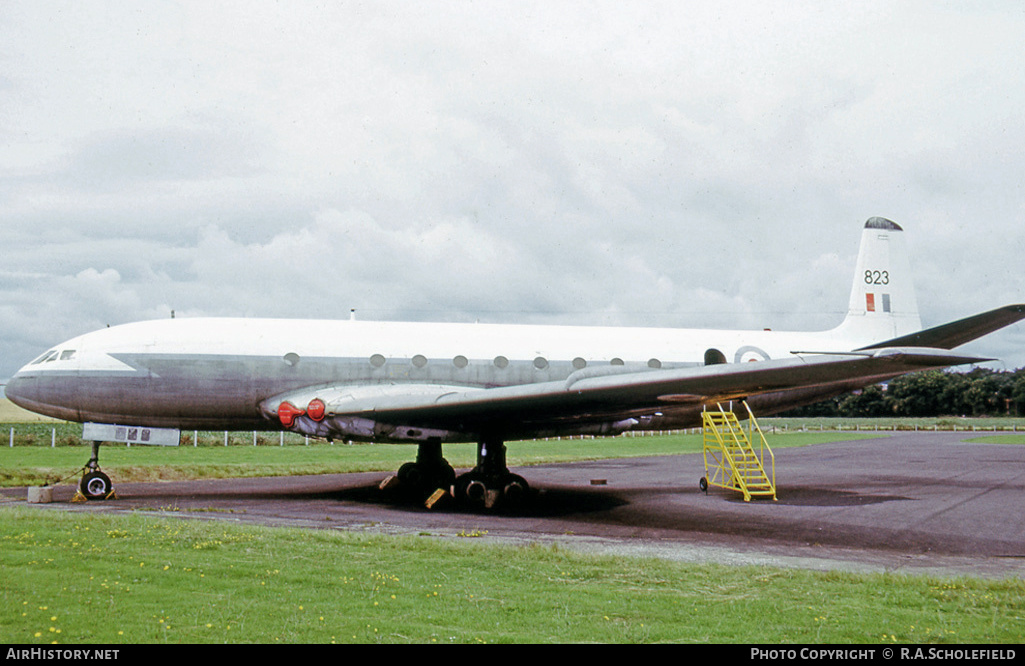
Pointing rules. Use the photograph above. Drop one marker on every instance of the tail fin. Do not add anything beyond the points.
(883, 303)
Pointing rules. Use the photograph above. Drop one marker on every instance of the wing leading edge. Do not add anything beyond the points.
(583, 402)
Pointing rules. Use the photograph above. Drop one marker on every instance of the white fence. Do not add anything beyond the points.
(31, 435)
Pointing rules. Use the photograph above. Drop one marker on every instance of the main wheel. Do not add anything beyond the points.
(95, 485)
(515, 491)
(421, 478)
(470, 489)
(410, 474)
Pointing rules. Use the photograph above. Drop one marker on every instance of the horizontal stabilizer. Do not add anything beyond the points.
(958, 332)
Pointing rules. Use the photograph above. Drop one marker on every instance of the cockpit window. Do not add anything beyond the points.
(55, 355)
(48, 356)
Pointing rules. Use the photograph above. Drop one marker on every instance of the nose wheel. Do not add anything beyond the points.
(95, 485)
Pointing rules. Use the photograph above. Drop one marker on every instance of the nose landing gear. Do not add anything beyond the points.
(95, 485)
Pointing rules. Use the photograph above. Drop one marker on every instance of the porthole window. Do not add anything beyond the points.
(501, 362)
(291, 358)
(377, 360)
(579, 363)
(540, 363)
(419, 360)
(714, 357)
(616, 361)
(654, 363)
(460, 361)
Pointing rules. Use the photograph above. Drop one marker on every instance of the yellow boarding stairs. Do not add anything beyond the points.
(736, 463)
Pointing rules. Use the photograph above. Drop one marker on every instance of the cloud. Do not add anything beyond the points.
(134, 158)
(656, 164)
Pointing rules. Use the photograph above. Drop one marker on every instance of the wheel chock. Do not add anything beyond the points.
(79, 497)
(436, 497)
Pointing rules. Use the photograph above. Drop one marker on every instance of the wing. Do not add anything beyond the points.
(586, 401)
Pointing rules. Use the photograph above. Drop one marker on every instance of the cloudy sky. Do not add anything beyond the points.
(634, 163)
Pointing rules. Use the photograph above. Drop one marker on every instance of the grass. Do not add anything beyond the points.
(941, 423)
(133, 579)
(105, 579)
(999, 439)
(11, 413)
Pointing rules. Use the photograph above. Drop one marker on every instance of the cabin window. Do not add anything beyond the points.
(501, 362)
(540, 363)
(714, 357)
(579, 363)
(654, 363)
(419, 360)
(616, 361)
(377, 360)
(460, 361)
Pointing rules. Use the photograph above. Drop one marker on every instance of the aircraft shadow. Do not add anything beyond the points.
(547, 502)
(544, 502)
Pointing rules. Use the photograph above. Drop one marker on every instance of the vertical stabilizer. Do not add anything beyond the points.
(883, 304)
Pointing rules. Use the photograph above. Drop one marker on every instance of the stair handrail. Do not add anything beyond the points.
(754, 427)
(738, 439)
(724, 450)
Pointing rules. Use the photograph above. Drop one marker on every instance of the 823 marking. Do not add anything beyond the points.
(877, 277)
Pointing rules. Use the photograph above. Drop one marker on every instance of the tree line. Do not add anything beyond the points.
(980, 392)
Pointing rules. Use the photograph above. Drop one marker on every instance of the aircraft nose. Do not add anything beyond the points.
(13, 388)
(17, 390)
(39, 393)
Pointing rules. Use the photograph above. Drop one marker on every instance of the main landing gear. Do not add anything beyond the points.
(95, 485)
(430, 471)
(489, 485)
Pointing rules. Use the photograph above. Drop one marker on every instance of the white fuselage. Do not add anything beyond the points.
(215, 372)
